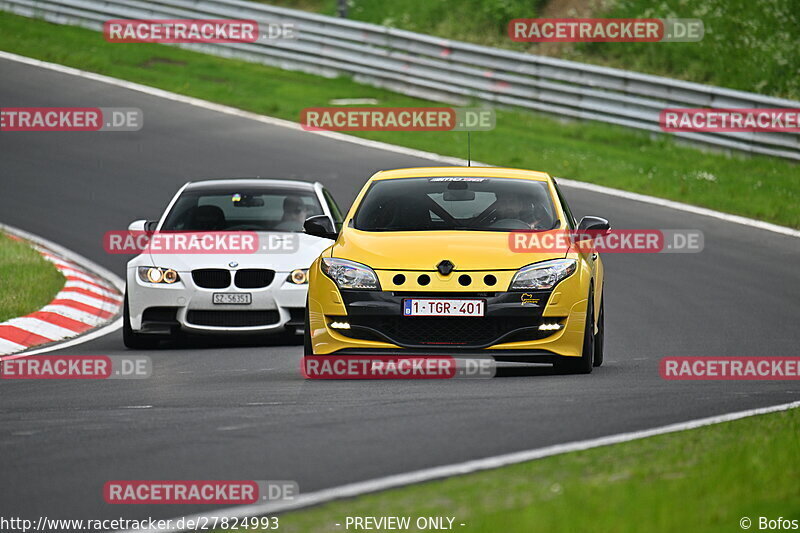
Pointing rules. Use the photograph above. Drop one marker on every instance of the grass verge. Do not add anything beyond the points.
(750, 46)
(702, 480)
(759, 187)
(28, 281)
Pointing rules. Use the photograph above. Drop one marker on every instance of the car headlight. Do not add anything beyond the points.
(544, 275)
(349, 274)
(158, 275)
(298, 276)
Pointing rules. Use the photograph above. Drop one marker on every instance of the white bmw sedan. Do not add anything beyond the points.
(257, 290)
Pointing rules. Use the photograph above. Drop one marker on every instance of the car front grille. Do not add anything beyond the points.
(444, 331)
(253, 278)
(232, 319)
(211, 278)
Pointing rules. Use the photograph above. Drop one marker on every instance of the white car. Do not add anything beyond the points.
(222, 293)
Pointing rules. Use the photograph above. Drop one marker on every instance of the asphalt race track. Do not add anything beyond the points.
(223, 410)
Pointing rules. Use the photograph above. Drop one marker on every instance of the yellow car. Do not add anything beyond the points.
(422, 265)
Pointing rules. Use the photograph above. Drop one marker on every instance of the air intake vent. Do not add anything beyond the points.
(232, 319)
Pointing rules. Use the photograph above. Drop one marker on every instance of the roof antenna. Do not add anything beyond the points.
(469, 150)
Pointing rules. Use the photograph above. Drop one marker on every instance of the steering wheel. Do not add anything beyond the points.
(509, 223)
(244, 227)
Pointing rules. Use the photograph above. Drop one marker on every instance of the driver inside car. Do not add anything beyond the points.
(511, 207)
(295, 212)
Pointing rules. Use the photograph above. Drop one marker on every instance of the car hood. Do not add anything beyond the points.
(423, 250)
(309, 247)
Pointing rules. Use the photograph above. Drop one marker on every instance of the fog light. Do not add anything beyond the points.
(550, 327)
(299, 276)
(340, 325)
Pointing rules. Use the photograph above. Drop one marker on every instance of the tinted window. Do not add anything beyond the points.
(455, 203)
(242, 210)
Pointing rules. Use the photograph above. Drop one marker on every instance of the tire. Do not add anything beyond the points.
(582, 364)
(600, 335)
(308, 349)
(131, 339)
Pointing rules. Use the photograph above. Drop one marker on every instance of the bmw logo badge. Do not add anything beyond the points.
(233, 264)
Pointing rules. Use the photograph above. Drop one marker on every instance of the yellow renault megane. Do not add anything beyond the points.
(421, 265)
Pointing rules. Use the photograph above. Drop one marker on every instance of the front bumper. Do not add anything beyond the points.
(510, 326)
(508, 318)
(161, 309)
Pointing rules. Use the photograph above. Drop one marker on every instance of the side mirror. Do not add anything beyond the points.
(594, 224)
(590, 224)
(143, 226)
(320, 226)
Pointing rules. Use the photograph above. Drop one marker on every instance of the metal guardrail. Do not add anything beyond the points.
(442, 69)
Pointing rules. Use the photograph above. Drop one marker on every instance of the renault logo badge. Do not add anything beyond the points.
(445, 267)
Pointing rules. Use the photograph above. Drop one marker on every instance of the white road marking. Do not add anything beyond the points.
(74, 314)
(80, 274)
(160, 93)
(678, 206)
(88, 300)
(356, 489)
(40, 327)
(7, 346)
(399, 480)
(59, 264)
(92, 288)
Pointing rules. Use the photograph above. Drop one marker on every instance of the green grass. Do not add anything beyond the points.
(750, 46)
(28, 281)
(702, 480)
(759, 187)
(483, 21)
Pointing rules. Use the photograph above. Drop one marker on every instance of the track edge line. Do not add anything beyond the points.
(457, 469)
(221, 108)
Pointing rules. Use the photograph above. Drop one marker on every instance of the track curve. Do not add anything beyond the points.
(239, 411)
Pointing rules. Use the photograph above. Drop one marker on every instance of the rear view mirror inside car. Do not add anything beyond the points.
(246, 200)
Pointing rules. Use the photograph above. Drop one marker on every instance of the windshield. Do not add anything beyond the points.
(242, 210)
(456, 203)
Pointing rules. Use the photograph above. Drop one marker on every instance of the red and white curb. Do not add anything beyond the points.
(91, 299)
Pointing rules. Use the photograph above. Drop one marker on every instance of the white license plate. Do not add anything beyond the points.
(241, 298)
(443, 307)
